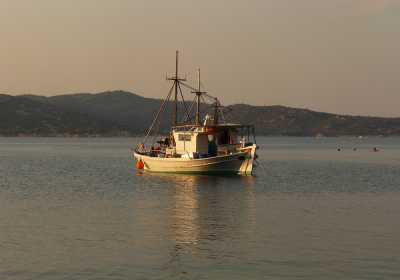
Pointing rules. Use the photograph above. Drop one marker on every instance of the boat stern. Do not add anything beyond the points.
(248, 164)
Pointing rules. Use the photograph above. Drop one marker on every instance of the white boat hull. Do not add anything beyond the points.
(237, 163)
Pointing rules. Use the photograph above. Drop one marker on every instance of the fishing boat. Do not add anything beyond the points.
(201, 142)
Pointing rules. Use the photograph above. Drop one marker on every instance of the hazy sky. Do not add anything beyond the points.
(339, 56)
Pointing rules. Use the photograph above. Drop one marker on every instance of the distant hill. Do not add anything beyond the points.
(280, 120)
(120, 113)
(20, 115)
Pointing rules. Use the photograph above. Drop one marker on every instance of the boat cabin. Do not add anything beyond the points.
(205, 141)
(192, 143)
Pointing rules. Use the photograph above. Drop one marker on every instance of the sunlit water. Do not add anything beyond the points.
(77, 209)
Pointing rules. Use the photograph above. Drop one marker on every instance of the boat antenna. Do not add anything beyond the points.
(176, 80)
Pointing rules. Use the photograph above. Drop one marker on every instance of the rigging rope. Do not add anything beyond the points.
(195, 90)
(183, 99)
(158, 114)
(188, 118)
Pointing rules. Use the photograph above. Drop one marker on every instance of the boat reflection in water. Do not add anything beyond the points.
(205, 210)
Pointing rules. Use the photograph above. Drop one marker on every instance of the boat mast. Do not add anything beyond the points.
(176, 80)
(175, 113)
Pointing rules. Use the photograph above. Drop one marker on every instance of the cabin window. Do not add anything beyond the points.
(223, 137)
(184, 137)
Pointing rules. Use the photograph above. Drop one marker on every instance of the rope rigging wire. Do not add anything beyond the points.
(158, 114)
(188, 117)
(196, 89)
(209, 97)
(156, 121)
(183, 99)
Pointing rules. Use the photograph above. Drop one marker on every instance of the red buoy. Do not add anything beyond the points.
(140, 165)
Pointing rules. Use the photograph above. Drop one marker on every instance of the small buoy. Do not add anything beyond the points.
(140, 165)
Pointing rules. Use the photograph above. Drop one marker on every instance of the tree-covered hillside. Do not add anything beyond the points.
(120, 113)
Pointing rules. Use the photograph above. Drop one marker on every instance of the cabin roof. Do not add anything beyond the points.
(235, 125)
(221, 125)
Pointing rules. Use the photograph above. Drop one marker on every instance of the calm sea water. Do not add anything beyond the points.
(77, 209)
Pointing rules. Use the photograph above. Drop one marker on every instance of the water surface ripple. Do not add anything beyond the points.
(77, 209)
